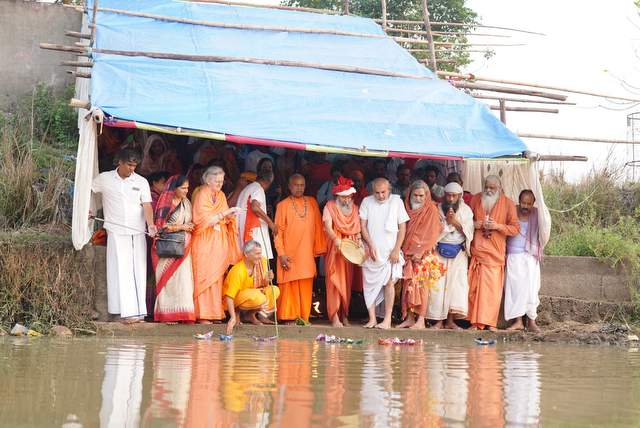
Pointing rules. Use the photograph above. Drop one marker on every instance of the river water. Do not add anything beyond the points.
(166, 382)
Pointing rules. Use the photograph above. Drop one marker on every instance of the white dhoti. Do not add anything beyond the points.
(522, 285)
(375, 275)
(126, 275)
(451, 294)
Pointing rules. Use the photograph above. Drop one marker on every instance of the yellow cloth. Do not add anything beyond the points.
(240, 286)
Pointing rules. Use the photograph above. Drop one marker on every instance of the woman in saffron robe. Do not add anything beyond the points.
(174, 276)
(215, 245)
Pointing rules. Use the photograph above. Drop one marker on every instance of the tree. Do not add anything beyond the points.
(439, 11)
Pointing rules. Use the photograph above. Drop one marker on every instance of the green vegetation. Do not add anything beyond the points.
(439, 11)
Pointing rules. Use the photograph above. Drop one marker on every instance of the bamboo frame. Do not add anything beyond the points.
(508, 90)
(562, 158)
(213, 58)
(579, 139)
(80, 74)
(522, 109)
(85, 64)
(442, 33)
(93, 22)
(427, 26)
(451, 44)
(77, 103)
(460, 24)
(77, 35)
(267, 6)
(520, 100)
(384, 14)
(240, 26)
(533, 85)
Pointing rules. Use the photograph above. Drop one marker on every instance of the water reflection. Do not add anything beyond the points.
(122, 386)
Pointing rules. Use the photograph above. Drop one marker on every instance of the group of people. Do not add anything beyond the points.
(483, 243)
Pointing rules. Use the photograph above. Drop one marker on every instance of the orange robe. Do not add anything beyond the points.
(423, 230)
(486, 270)
(300, 236)
(338, 270)
(214, 249)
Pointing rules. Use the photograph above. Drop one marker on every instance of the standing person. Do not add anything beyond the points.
(254, 223)
(247, 287)
(215, 245)
(454, 177)
(157, 181)
(495, 218)
(523, 267)
(450, 298)
(126, 199)
(325, 194)
(299, 241)
(358, 183)
(244, 180)
(341, 221)
(403, 181)
(431, 173)
(174, 276)
(379, 170)
(383, 223)
(423, 231)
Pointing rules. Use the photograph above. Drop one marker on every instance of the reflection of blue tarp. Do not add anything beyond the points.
(295, 104)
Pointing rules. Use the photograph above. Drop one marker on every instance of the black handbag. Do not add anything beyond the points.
(170, 244)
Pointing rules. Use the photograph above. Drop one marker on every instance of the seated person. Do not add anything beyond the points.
(247, 288)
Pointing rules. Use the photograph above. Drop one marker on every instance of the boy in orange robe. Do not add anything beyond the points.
(299, 241)
(495, 217)
(341, 220)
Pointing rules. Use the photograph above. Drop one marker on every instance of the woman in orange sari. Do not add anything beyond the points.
(215, 245)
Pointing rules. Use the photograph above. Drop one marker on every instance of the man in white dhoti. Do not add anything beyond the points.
(126, 200)
(383, 223)
(522, 271)
(253, 221)
(450, 298)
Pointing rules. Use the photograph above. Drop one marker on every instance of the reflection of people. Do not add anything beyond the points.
(448, 385)
(522, 388)
(495, 218)
(246, 287)
(126, 198)
(423, 230)
(299, 241)
(122, 387)
(383, 222)
(450, 298)
(174, 276)
(522, 272)
(485, 401)
(215, 245)
(341, 221)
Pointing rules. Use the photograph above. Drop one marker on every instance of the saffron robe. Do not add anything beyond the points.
(486, 271)
(301, 238)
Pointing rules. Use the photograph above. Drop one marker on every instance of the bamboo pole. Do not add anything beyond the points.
(459, 24)
(240, 26)
(77, 35)
(579, 139)
(345, 7)
(427, 26)
(85, 64)
(451, 44)
(76, 103)
(384, 14)
(562, 158)
(63, 48)
(93, 22)
(519, 100)
(503, 111)
(80, 74)
(450, 50)
(521, 109)
(442, 33)
(268, 6)
(508, 90)
(534, 85)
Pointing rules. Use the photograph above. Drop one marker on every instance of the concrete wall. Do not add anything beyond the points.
(23, 26)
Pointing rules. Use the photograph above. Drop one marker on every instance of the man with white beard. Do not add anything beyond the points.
(383, 217)
(495, 218)
(450, 298)
(523, 267)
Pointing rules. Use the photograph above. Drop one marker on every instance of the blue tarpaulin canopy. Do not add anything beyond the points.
(334, 109)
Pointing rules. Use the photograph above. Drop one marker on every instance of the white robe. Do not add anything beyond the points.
(258, 234)
(522, 285)
(126, 275)
(383, 222)
(451, 294)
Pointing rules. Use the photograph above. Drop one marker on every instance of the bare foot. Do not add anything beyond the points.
(418, 326)
(253, 320)
(336, 323)
(384, 325)
(533, 327)
(129, 321)
(492, 328)
(516, 326)
(265, 320)
(452, 326)
(170, 323)
(204, 322)
(346, 322)
(473, 328)
(437, 326)
(409, 321)
(370, 324)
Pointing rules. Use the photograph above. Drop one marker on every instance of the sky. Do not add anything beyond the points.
(588, 45)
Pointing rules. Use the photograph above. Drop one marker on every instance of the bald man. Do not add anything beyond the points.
(383, 225)
(300, 239)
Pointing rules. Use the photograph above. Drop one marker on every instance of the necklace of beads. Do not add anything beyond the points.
(304, 213)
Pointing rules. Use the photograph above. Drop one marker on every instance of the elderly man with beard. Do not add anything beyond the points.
(383, 223)
(423, 230)
(495, 218)
(450, 298)
(523, 267)
(341, 221)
